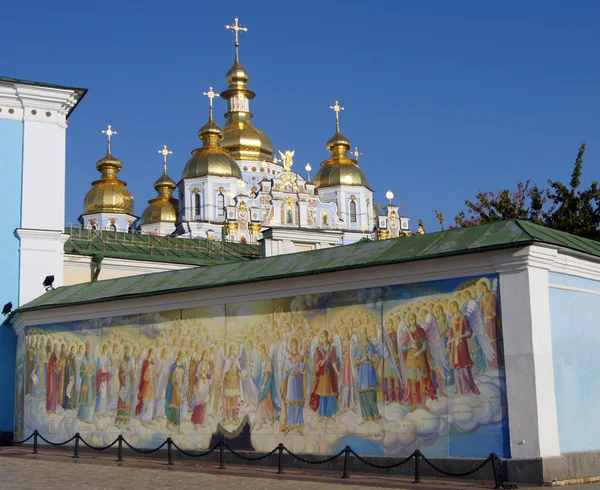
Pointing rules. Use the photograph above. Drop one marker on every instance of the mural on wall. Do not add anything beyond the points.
(385, 370)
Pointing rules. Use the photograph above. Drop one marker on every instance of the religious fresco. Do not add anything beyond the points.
(385, 370)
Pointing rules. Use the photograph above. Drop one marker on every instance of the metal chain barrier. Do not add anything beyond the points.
(55, 443)
(222, 445)
(144, 451)
(248, 458)
(12, 441)
(381, 467)
(308, 461)
(95, 448)
(195, 455)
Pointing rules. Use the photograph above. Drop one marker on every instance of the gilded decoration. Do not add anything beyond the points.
(163, 208)
(383, 234)
(288, 159)
(232, 227)
(255, 228)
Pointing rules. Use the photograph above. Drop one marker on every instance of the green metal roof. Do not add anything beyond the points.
(80, 91)
(495, 236)
(156, 249)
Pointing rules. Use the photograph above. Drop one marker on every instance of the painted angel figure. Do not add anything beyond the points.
(175, 393)
(248, 386)
(126, 377)
(348, 399)
(323, 399)
(366, 359)
(163, 365)
(435, 348)
(293, 389)
(458, 348)
(231, 388)
(201, 392)
(490, 311)
(418, 372)
(268, 408)
(472, 310)
(393, 378)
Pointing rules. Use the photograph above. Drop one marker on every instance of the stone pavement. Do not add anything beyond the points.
(21, 470)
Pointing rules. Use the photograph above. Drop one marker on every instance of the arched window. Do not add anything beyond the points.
(112, 227)
(324, 219)
(289, 216)
(197, 205)
(220, 205)
(352, 212)
(243, 239)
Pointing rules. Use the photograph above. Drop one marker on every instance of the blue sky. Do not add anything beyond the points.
(442, 98)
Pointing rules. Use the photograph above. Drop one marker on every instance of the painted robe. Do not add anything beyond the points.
(174, 395)
(391, 383)
(200, 393)
(231, 388)
(460, 359)
(366, 358)
(53, 383)
(324, 399)
(102, 380)
(145, 404)
(294, 379)
(39, 380)
(489, 308)
(29, 369)
(70, 378)
(348, 395)
(418, 371)
(125, 376)
(87, 393)
(267, 394)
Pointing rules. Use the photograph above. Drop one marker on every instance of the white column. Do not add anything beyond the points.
(524, 296)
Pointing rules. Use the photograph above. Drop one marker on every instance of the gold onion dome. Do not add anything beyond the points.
(242, 139)
(340, 169)
(211, 159)
(164, 207)
(108, 194)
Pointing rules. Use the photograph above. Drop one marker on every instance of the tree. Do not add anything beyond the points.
(561, 207)
(526, 203)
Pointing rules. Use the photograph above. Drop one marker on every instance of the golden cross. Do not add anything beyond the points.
(237, 28)
(164, 152)
(108, 132)
(336, 108)
(356, 153)
(211, 95)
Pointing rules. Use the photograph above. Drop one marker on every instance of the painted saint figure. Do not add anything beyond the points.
(292, 389)
(201, 390)
(175, 393)
(460, 360)
(70, 378)
(324, 399)
(145, 403)
(366, 359)
(38, 378)
(348, 394)
(489, 308)
(102, 380)
(53, 380)
(391, 383)
(268, 409)
(232, 387)
(87, 392)
(125, 375)
(418, 372)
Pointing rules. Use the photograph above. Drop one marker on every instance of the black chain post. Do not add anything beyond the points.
(280, 459)
(120, 448)
(222, 455)
(35, 441)
(417, 469)
(169, 450)
(346, 453)
(76, 447)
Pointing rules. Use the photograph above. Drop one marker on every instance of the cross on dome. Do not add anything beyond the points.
(109, 132)
(337, 108)
(236, 29)
(164, 152)
(211, 95)
(356, 153)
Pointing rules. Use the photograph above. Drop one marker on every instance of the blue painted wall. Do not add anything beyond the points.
(11, 165)
(575, 326)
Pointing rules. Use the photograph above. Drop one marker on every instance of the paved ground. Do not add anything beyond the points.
(20, 470)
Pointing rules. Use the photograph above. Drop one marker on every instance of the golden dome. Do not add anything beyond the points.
(162, 208)
(339, 169)
(211, 159)
(242, 139)
(108, 194)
